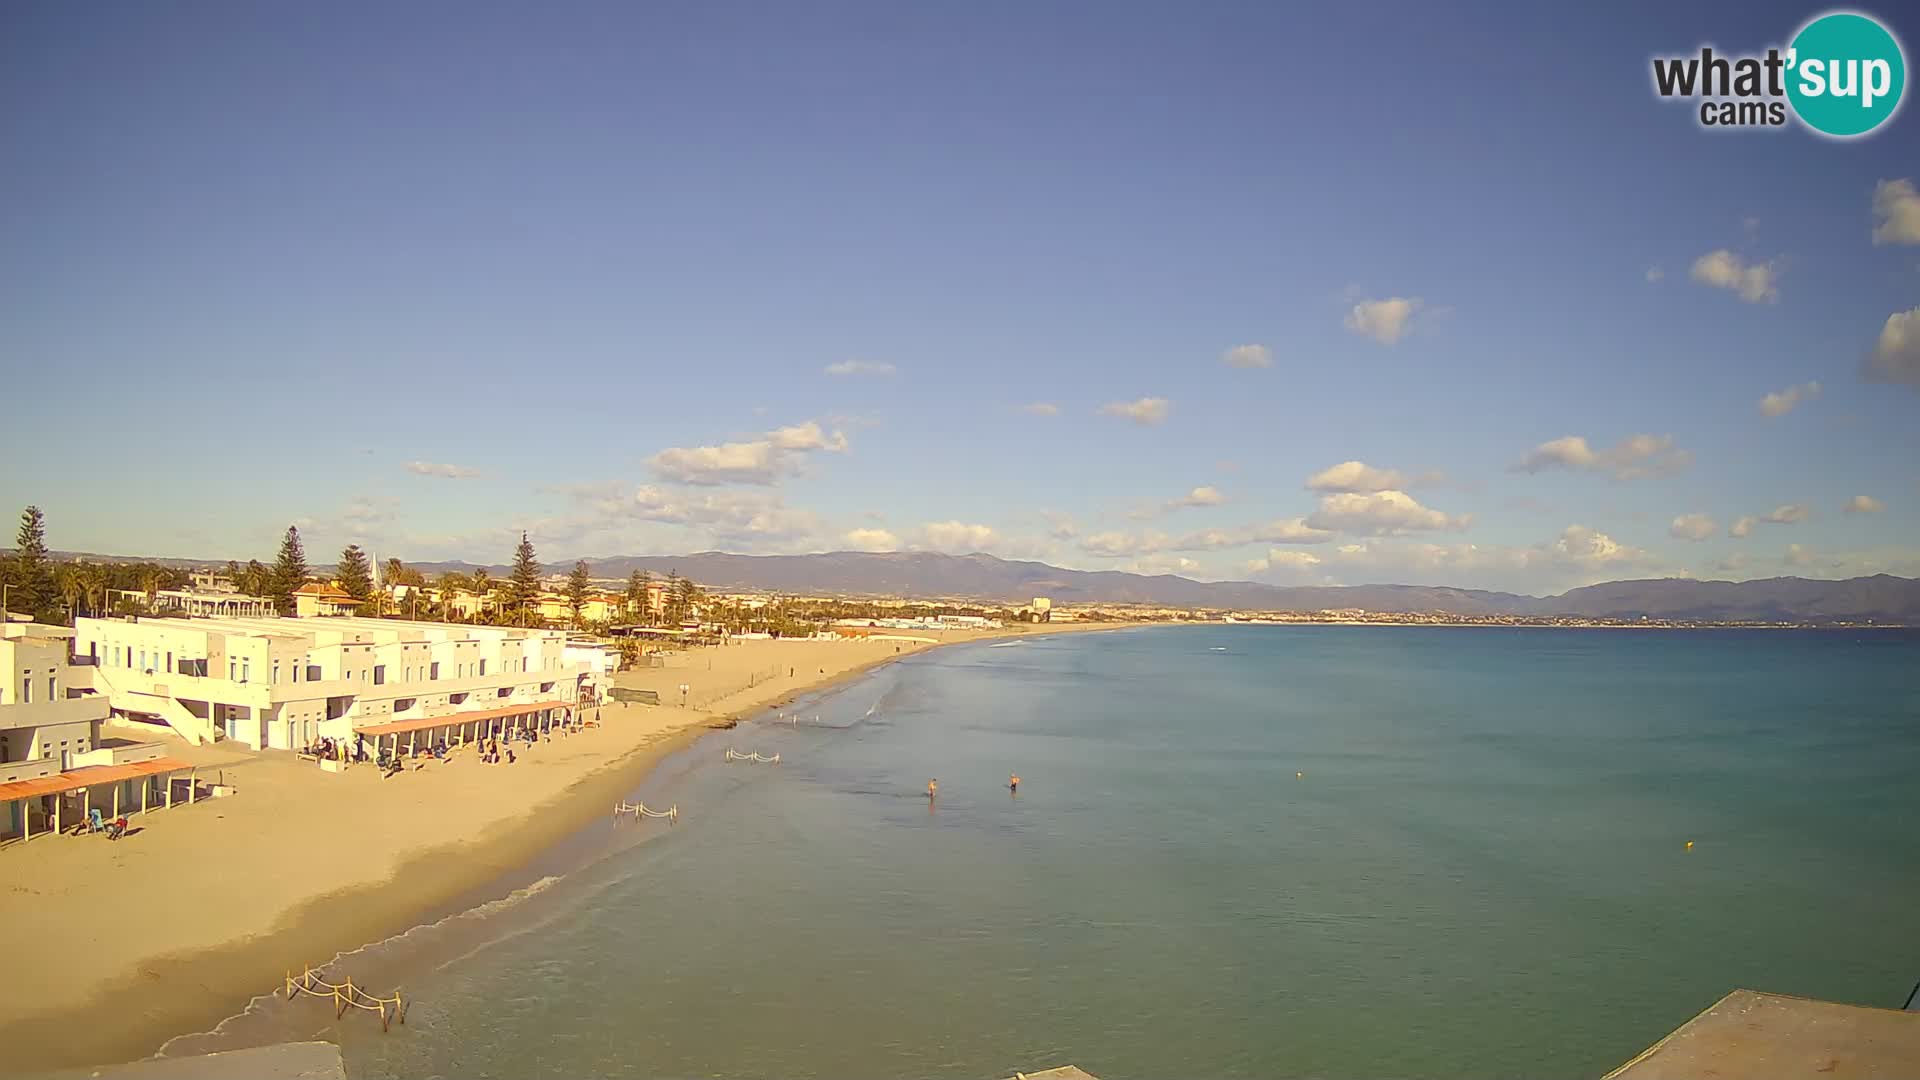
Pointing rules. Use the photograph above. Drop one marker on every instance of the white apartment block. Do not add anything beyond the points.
(283, 683)
(48, 712)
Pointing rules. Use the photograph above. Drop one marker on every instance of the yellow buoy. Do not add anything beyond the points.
(1689, 845)
(1298, 775)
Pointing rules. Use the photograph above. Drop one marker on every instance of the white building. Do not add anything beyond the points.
(51, 753)
(284, 683)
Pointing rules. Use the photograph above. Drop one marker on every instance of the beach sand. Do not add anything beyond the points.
(119, 946)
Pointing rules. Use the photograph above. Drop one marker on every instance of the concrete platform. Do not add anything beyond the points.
(1750, 1034)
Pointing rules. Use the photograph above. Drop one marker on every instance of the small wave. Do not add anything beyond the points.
(259, 1001)
(1006, 644)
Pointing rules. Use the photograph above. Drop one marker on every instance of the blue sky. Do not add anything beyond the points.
(421, 276)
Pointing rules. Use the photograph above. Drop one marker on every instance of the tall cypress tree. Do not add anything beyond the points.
(289, 570)
(523, 585)
(637, 596)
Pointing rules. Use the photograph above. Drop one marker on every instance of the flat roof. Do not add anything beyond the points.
(76, 779)
(1748, 1033)
(401, 727)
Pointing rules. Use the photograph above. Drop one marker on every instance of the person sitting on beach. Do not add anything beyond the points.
(509, 755)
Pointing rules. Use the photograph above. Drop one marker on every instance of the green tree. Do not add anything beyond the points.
(93, 584)
(254, 579)
(399, 573)
(523, 583)
(289, 570)
(354, 574)
(685, 597)
(637, 596)
(34, 590)
(670, 599)
(579, 584)
(70, 580)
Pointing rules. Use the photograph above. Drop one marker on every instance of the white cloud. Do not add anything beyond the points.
(1636, 457)
(1164, 564)
(956, 537)
(871, 540)
(1692, 527)
(1864, 504)
(1782, 402)
(807, 436)
(1060, 526)
(1380, 513)
(1248, 356)
(1358, 476)
(1724, 270)
(1785, 514)
(1281, 560)
(1200, 496)
(1798, 556)
(1896, 356)
(1583, 545)
(1146, 410)
(1654, 274)
(860, 367)
(442, 470)
(761, 461)
(1290, 531)
(1897, 206)
(1385, 321)
(1041, 408)
(729, 463)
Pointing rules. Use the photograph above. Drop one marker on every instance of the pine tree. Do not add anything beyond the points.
(289, 571)
(523, 584)
(637, 596)
(670, 598)
(685, 598)
(34, 591)
(579, 583)
(355, 575)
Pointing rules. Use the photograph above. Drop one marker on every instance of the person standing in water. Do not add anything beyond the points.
(933, 788)
(1013, 783)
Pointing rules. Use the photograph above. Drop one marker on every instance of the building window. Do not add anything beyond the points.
(379, 674)
(276, 673)
(143, 659)
(246, 669)
(26, 691)
(233, 669)
(483, 667)
(433, 671)
(52, 694)
(169, 666)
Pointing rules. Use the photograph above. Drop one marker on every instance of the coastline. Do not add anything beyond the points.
(165, 993)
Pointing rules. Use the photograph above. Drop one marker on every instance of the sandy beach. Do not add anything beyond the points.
(202, 907)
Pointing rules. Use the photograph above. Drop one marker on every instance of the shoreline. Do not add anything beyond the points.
(168, 995)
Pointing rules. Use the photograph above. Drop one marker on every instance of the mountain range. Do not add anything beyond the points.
(985, 577)
(1881, 598)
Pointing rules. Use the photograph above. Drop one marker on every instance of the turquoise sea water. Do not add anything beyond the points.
(1481, 871)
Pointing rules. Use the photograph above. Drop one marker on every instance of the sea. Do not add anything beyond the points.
(1235, 851)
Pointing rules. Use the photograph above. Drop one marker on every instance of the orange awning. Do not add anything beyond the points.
(90, 776)
(401, 727)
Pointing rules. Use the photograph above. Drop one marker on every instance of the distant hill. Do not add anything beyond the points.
(983, 577)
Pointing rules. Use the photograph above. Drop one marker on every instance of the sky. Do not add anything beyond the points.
(1311, 294)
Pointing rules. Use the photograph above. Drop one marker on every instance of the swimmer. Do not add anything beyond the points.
(933, 788)
(1013, 783)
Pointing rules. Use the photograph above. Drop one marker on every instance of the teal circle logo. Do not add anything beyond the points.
(1846, 74)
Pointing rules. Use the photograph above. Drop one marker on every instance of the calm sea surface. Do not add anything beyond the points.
(1481, 868)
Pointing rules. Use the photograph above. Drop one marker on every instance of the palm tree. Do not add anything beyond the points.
(483, 588)
(67, 579)
(93, 582)
(150, 581)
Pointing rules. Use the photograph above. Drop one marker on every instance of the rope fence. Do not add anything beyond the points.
(642, 810)
(346, 996)
(735, 755)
